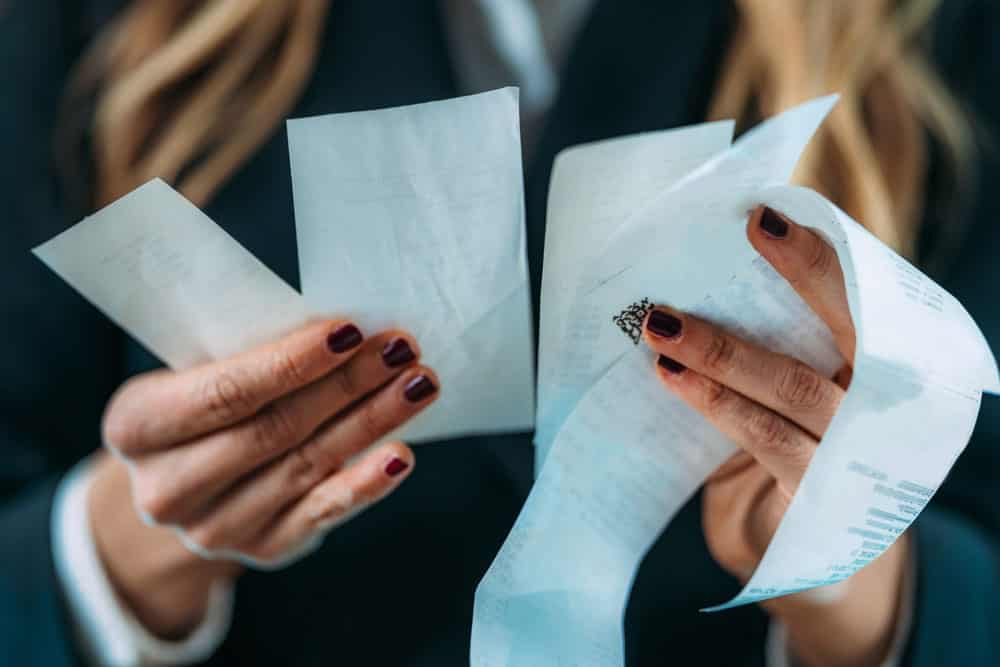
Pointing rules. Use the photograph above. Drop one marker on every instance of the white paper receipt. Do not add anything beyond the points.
(414, 217)
(410, 217)
(624, 455)
(172, 278)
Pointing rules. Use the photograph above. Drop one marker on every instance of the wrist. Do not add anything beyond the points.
(163, 585)
(856, 623)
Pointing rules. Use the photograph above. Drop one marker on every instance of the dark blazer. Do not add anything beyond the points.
(395, 586)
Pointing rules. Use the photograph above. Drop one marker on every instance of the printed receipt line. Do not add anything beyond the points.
(625, 455)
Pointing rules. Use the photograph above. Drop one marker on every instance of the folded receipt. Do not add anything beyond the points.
(620, 455)
(410, 217)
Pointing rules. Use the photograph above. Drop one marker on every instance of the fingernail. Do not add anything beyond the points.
(670, 365)
(418, 389)
(397, 352)
(663, 324)
(395, 466)
(343, 339)
(773, 224)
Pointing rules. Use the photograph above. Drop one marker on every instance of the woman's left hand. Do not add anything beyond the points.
(777, 408)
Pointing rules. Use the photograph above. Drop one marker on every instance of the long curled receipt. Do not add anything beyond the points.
(627, 455)
(411, 217)
(434, 191)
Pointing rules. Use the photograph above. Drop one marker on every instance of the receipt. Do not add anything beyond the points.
(628, 455)
(410, 217)
(579, 352)
(414, 217)
(593, 189)
(163, 271)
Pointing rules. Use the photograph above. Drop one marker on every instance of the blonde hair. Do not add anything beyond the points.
(187, 89)
(871, 155)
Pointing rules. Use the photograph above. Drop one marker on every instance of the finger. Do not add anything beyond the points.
(339, 498)
(810, 265)
(372, 420)
(174, 485)
(256, 499)
(160, 409)
(778, 381)
(780, 446)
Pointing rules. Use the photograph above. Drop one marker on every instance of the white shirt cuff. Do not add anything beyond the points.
(778, 654)
(109, 635)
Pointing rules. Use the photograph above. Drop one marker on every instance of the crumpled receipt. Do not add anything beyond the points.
(621, 455)
(409, 217)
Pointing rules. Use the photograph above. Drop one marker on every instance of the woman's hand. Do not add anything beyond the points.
(247, 458)
(776, 409)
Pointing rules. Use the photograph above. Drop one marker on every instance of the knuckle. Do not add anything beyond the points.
(768, 431)
(371, 422)
(225, 397)
(208, 536)
(799, 386)
(118, 431)
(119, 428)
(820, 259)
(720, 355)
(273, 429)
(716, 398)
(154, 502)
(302, 468)
(331, 510)
(347, 381)
(288, 369)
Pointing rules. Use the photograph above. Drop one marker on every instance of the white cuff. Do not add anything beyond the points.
(108, 632)
(778, 654)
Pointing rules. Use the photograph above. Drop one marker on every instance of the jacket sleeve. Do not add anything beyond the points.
(59, 359)
(957, 613)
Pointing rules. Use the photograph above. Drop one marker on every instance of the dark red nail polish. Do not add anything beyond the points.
(343, 339)
(773, 224)
(670, 365)
(663, 324)
(395, 466)
(397, 352)
(418, 389)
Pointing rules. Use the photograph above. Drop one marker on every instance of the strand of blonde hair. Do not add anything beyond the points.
(187, 91)
(871, 156)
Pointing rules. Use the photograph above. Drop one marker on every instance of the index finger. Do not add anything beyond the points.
(810, 265)
(163, 408)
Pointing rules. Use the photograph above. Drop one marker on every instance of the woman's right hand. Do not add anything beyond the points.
(247, 458)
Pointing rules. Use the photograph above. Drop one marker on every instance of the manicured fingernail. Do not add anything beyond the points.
(419, 388)
(395, 467)
(773, 224)
(663, 324)
(397, 352)
(670, 365)
(343, 339)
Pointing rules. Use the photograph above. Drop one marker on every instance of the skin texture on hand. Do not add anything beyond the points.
(250, 459)
(776, 409)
